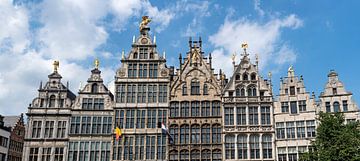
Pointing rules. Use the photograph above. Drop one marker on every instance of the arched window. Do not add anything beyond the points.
(195, 155)
(195, 134)
(94, 88)
(216, 133)
(230, 147)
(267, 146)
(237, 77)
(251, 90)
(206, 155)
(242, 146)
(184, 134)
(184, 155)
(205, 134)
(253, 76)
(237, 92)
(254, 91)
(135, 56)
(336, 106)
(151, 55)
(195, 87)
(174, 132)
(217, 155)
(242, 92)
(184, 89)
(52, 101)
(254, 147)
(173, 155)
(184, 110)
(206, 90)
(245, 76)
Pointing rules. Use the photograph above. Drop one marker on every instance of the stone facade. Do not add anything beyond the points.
(4, 140)
(17, 133)
(209, 117)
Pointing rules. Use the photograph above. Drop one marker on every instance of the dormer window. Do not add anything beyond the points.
(253, 76)
(151, 55)
(336, 106)
(184, 90)
(251, 91)
(334, 90)
(94, 88)
(52, 101)
(245, 76)
(292, 90)
(195, 87)
(143, 53)
(135, 56)
(206, 89)
(237, 77)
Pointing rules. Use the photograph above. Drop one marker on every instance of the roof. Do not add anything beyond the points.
(11, 121)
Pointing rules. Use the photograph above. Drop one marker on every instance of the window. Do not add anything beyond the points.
(33, 156)
(345, 106)
(151, 55)
(120, 93)
(240, 91)
(253, 76)
(216, 133)
(298, 90)
(119, 118)
(132, 68)
(141, 95)
(61, 129)
(195, 87)
(46, 154)
(310, 128)
(217, 155)
(94, 88)
(184, 155)
(107, 123)
(286, 91)
(206, 155)
(173, 155)
(241, 115)
(162, 116)
(293, 107)
(75, 125)
(302, 106)
(251, 91)
(184, 109)
(336, 106)
(284, 107)
(195, 134)
(96, 124)
(174, 132)
(174, 109)
(98, 104)
(135, 56)
(237, 77)
(245, 76)
(184, 134)
(161, 147)
(253, 116)
(205, 90)
(130, 116)
(267, 146)
(237, 92)
(143, 53)
(59, 154)
(292, 154)
(162, 93)
(230, 147)
(334, 90)
(36, 129)
(153, 70)
(242, 146)
(195, 108)
(142, 70)
(151, 120)
(292, 90)
(184, 89)
(282, 154)
(254, 147)
(49, 129)
(140, 119)
(327, 106)
(280, 130)
(290, 130)
(152, 91)
(229, 116)
(215, 108)
(128, 147)
(131, 91)
(52, 101)
(205, 134)
(300, 128)
(265, 116)
(205, 108)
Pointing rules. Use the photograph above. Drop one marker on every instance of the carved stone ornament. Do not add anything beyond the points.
(144, 41)
(164, 72)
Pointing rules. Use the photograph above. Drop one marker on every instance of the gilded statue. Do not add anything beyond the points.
(144, 22)
(96, 63)
(56, 65)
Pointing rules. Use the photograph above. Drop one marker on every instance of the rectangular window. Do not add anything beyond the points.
(284, 107)
(195, 108)
(162, 93)
(290, 130)
(98, 104)
(162, 115)
(310, 128)
(241, 115)
(107, 123)
(128, 147)
(120, 93)
(282, 154)
(229, 116)
(143, 53)
(87, 103)
(300, 128)
(130, 70)
(141, 69)
(151, 122)
(267, 146)
(153, 71)
(174, 109)
(139, 147)
(205, 108)
(152, 93)
(253, 116)
(334, 91)
(161, 147)
(59, 154)
(280, 130)
(302, 106)
(292, 154)
(215, 108)
(49, 129)
(119, 119)
(345, 105)
(61, 129)
(36, 129)
(33, 155)
(85, 125)
(254, 147)
(293, 107)
(46, 154)
(292, 90)
(265, 116)
(140, 118)
(327, 106)
(150, 147)
(130, 116)
(184, 109)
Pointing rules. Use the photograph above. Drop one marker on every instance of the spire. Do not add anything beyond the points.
(164, 55)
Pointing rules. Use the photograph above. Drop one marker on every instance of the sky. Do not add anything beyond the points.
(313, 36)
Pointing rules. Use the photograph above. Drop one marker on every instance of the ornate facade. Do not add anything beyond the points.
(209, 117)
(247, 115)
(195, 108)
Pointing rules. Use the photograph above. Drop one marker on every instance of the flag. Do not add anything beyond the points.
(118, 133)
(166, 131)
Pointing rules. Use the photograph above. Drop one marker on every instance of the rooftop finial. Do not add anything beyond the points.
(97, 63)
(144, 22)
(291, 72)
(123, 54)
(244, 46)
(56, 65)
(233, 57)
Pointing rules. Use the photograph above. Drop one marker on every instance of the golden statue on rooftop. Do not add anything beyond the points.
(97, 63)
(244, 45)
(56, 65)
(144, 22)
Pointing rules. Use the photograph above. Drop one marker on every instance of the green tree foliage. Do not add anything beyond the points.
(335, 140)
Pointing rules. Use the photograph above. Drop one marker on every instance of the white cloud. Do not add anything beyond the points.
(200, 11)
(263, 39)
(14, 31)
(257, 8)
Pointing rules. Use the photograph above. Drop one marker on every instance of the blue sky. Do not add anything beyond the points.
(314, 36)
